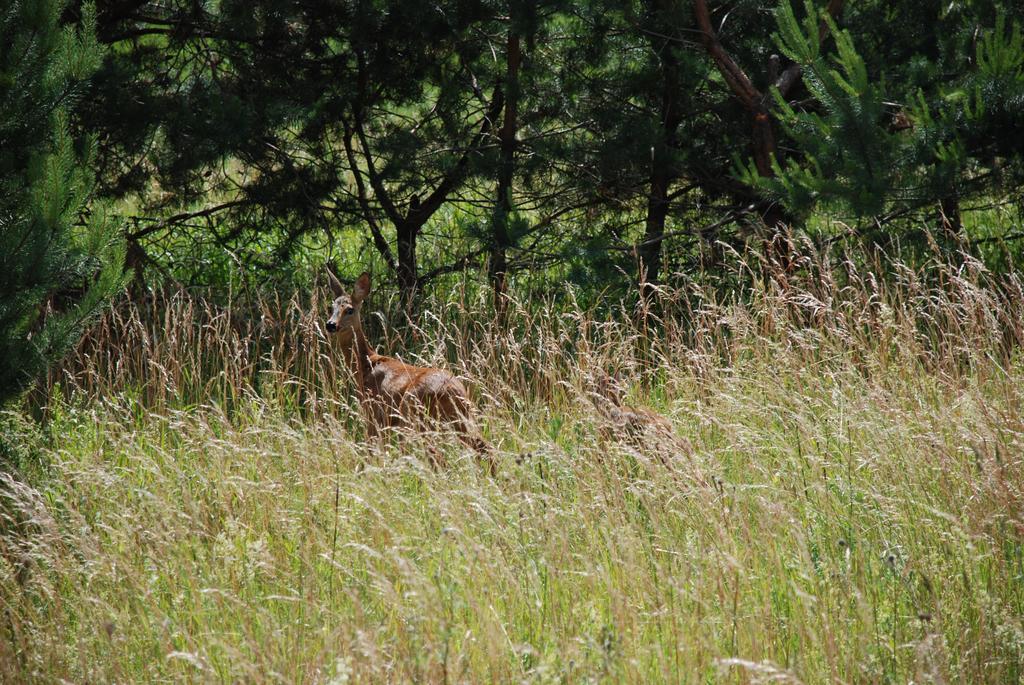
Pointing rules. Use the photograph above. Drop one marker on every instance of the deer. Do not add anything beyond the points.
(643, 428)
(392, 393)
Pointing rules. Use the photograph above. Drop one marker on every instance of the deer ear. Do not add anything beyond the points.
(362, 288)
(336, 286)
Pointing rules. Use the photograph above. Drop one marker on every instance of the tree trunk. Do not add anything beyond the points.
(407, 233)
(649, 252)
(763, 142)
(135, 259)
(501, 240)
(662, 173)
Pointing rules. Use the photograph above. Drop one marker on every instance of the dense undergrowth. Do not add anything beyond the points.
(843, 501)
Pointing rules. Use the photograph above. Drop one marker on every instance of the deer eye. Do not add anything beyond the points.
(349, 311)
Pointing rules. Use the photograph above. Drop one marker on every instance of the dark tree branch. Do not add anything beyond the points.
(734, 76)
(359, 108)
(455, 175)
(364, 203)
(379, 191)
(182, 217)
(459, 264)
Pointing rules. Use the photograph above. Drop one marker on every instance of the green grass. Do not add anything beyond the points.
(850, 512)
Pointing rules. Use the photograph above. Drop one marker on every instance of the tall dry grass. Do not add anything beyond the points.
(852, 509)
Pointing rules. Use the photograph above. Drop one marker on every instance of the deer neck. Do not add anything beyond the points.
(357, 353)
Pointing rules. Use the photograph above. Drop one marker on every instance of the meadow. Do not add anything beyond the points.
(841, 500)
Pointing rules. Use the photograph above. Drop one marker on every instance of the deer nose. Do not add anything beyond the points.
(331, 326)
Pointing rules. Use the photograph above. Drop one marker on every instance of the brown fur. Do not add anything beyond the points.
(391, 392)
(645, 429)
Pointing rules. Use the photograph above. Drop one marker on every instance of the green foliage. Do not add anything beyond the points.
(999, 55)
(265, 132)
(993, 106)
(22, 446)
(59, 259)
(795, 39)
(847, 157)
(859, 150)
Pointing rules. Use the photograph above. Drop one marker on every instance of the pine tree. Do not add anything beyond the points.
(362, 117)
(847, 154)
(891, 130)
(59, 262)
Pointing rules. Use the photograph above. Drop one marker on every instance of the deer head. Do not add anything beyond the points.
(344, 320)
(608, 387)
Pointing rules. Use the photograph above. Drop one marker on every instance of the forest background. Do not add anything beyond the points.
(794, 231)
